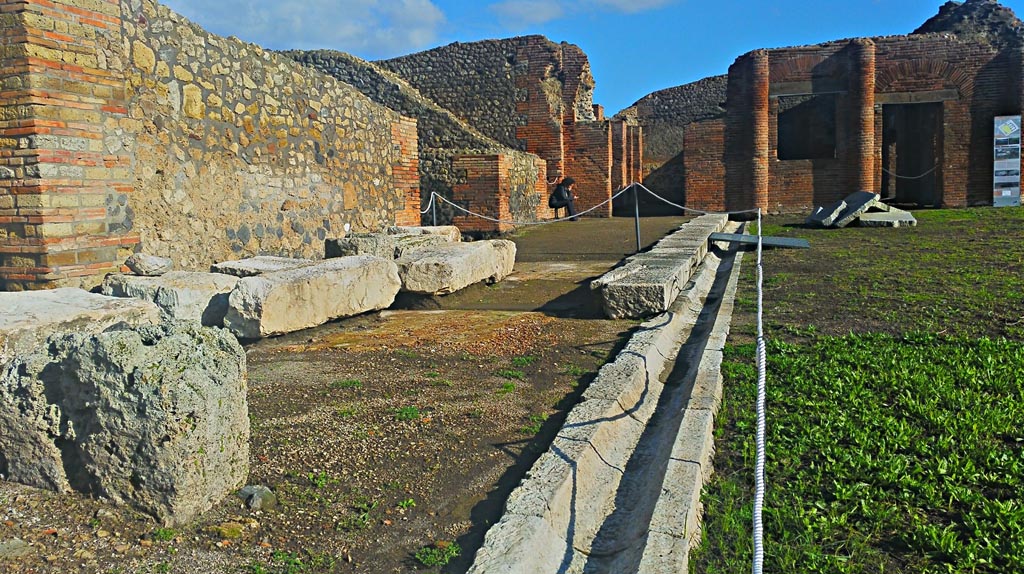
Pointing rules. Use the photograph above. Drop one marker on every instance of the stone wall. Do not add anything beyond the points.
(240, 151)
(126, 127)
(442, 135)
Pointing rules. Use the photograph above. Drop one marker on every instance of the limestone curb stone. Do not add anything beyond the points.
(155, 418)
(551, 519)
(180, 295)
(28, 318)
(149, 265)
(258, 265)
(449, 267)
(296, 299)
(649, 282)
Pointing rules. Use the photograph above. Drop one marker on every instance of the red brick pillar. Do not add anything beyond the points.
(405, 170)
(861, 159)
(759, 130)
(65, 186)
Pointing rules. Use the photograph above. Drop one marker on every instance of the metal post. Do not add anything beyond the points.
(433, 208)
(636, 209)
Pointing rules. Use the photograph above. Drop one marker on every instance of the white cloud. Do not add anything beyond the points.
(369, 28)
(521, 13)
(632, 6)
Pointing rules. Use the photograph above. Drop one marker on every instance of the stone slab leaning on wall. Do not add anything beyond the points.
(155, 418)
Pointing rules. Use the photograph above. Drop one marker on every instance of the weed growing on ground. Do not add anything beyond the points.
(536, 422)
(523, 361)
(574, 370)
(320, 479)
(408, 414)
(511, 374)
(164, 534)
(438, 554)
(406, 504)
(507, 388)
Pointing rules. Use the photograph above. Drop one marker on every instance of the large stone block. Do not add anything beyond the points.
(28, 318)
(181, 295)
(388, 246)
(446, 268)
(258, 265)
(451, 232)
(155, 418)
(857, 203)
(296, 299)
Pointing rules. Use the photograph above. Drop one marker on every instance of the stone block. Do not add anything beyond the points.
(304, 297)
(258, 265)
(155, 418)
(375, 244)
(449, 267)
(149, 265)
(180, 295)
(825, 216)
(449, 231)
(28, 318)
(857, 203)
(892, 218)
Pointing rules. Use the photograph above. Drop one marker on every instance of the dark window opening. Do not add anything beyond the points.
(807, 127)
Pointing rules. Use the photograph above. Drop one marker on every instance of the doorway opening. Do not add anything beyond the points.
(912, 153)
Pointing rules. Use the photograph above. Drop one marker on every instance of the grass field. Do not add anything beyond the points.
(895, 403)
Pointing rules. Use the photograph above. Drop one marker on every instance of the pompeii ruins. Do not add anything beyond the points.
(236, 181)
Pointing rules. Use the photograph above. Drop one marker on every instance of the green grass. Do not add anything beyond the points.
(408, 414)
(438, 554)
(347, 384)
(885, 454)
(511, 374)
(523, 361)
(536, 422)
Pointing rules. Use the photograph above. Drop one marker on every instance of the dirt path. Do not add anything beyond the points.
(380, 434)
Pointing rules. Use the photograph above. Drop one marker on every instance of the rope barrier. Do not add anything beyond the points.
(934, 167)
(513, 222)
(759, 434)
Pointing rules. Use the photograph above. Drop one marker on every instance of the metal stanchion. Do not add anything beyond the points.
(433, 209)
(636, 208)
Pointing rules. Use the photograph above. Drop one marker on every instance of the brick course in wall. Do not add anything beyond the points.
(505, 187)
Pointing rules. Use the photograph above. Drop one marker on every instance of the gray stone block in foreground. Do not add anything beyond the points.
(181, 295)
(450, 232)
(449, 267)
(28, 318)
(296, 299)
(258, 265)
(155, 418)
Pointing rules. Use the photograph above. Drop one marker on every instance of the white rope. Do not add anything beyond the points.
(690, 209)
(934, 167)
(759, 437)
(429, 203)
(512, 222)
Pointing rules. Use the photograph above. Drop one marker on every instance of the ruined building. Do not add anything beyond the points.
(125, 127)
(805, 126)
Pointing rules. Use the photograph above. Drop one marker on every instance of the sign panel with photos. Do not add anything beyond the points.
(1006, 171)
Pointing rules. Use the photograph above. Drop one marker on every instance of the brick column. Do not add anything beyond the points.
(759, 130)
(861, 160)
(65, 181)
(620, 154)
(405, 170)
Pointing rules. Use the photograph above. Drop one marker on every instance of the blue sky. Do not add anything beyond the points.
(635, 46)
